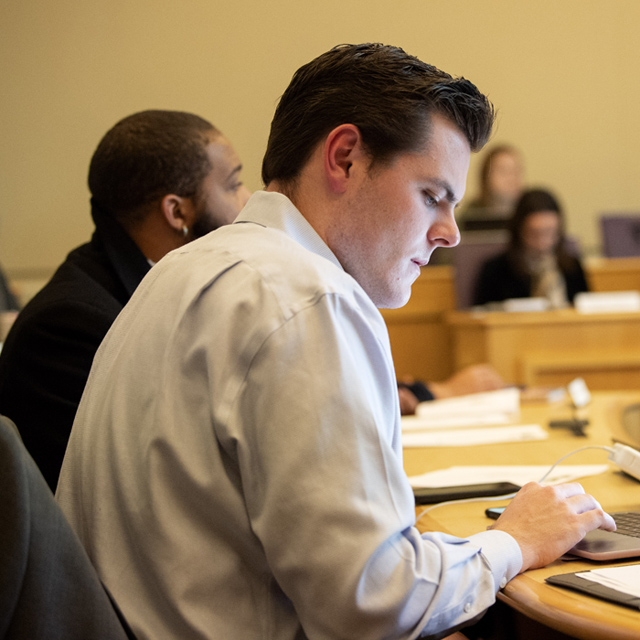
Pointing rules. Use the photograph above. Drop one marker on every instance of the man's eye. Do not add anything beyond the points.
(430, 200)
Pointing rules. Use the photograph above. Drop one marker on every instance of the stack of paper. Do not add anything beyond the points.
(469, 437)
(469, 420)
(502, 405)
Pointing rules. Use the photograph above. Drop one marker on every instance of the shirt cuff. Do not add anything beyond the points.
(502, 554)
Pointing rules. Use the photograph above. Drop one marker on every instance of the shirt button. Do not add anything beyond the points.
(503, 583)
(467, 607)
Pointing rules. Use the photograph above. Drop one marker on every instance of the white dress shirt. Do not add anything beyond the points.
(235, 466)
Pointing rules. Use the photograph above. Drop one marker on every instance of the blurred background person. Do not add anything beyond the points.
(536, 262)
(501, 183)
(9, 307)
(475, 378)
(8, 301)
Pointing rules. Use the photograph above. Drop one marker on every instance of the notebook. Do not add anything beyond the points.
(612, 545)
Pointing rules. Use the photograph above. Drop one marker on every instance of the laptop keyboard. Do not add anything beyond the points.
(628, 523)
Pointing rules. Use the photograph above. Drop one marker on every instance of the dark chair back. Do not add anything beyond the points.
(474, 250)
(48, 586)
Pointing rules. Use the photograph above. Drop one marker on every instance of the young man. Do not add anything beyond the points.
(158, 179)
(235, 467)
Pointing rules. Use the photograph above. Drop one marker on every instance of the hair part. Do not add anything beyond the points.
(146, 156)
(389, 95)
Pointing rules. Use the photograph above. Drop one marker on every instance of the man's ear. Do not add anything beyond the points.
(178, 212)
(343, 151)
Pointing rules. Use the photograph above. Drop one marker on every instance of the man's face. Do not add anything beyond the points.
(222, 195)
(398, 214)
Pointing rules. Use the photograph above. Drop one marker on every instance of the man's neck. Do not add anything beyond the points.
(154, 237)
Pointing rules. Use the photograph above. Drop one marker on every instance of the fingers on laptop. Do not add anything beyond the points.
(547, 521)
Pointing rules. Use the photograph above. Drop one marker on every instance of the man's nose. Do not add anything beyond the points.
(444, 232)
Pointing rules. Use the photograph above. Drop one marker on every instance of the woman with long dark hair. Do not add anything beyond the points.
(536, 262)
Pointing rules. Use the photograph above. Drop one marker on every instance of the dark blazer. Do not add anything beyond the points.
(48, 588)
(46, 358)
(497, 281)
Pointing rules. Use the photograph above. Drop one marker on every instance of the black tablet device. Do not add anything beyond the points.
(432, 495)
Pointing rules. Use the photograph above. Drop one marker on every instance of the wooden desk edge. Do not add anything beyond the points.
(570, 612)
(551, 317)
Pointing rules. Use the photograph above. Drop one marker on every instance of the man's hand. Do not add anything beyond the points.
(547, 521)
(473, 379)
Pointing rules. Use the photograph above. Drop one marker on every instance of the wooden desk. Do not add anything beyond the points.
(577, 615)
(421, 341)
(551, 347)
(613, 274)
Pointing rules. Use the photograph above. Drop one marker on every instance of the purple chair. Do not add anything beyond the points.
(620, 234)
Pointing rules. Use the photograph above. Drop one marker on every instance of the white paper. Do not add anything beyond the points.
(423, 423)
(520, 475)
(623, 579)
(502, 401)
(607, 301)
(469, 437)
(525, 305)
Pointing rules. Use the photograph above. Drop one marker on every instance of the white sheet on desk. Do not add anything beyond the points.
(623, 579)
(454, 476)
(467, 437)
(607, 301)
(502, 401)
(454, 421)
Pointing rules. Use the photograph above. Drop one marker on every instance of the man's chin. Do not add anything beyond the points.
(395, 299)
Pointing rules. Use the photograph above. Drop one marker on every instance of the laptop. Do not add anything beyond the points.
(612, 545)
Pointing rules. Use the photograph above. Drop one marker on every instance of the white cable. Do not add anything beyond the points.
(507, 496)
(557, 462)
(626, 460)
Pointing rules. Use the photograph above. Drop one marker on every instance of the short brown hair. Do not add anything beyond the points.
(388, 94)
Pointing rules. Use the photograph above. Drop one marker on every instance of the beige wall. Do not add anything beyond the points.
(563, 73)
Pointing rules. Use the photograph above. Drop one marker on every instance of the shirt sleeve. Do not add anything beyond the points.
(317, 440)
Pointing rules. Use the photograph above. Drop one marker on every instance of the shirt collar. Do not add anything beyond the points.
(276, 211)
